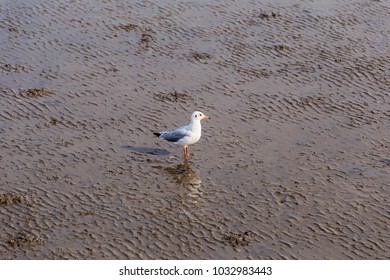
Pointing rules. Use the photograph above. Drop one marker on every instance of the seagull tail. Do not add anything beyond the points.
(157, 134)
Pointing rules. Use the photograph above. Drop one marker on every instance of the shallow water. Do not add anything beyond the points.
(294, 163)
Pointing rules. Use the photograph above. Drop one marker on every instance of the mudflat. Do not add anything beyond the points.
(293, 164)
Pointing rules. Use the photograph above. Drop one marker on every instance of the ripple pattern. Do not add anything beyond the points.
(294, 160)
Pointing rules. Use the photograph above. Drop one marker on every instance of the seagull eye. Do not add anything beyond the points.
(196, 116)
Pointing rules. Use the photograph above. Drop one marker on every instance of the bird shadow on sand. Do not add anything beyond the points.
(385, 161)
(147, 150)
(182, 173)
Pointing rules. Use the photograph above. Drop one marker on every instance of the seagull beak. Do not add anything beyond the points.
(206, 117)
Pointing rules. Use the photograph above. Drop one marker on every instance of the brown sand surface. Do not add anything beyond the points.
(294, 163)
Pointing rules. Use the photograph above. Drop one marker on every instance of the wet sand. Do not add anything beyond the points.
(294, 163)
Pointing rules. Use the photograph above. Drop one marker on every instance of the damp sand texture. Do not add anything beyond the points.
(294, 163)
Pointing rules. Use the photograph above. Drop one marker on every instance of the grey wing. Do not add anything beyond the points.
(176, 135)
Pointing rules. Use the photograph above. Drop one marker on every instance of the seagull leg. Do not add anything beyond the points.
(185, 152)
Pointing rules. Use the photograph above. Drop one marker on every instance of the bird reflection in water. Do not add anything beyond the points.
(185, 176)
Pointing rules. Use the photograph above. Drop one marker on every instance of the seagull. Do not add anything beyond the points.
(185, 135)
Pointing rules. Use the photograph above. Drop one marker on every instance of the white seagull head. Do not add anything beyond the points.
(198, 116)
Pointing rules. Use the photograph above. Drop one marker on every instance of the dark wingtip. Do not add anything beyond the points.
(157, 134)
